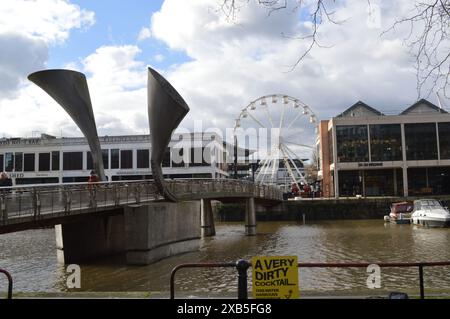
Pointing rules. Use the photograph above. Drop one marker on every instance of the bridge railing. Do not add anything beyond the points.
(62, 199)
(37, 201)
(230, 187)
(242, 267)
(10, 282)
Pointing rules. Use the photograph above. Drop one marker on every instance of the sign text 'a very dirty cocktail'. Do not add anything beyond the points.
(275, 277)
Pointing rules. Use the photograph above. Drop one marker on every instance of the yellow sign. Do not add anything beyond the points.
(275, 277)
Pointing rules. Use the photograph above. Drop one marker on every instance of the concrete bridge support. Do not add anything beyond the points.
(207, 219)
(250, 217)
(159, 230)
(142, 235)
(90, 240)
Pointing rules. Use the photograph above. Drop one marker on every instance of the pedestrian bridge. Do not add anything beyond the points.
(23, 207)
(130, 218)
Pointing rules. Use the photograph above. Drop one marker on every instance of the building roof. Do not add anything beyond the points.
(423, 106)
(360, 109)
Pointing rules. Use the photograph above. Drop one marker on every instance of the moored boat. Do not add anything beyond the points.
(400, 213)
(429, 212)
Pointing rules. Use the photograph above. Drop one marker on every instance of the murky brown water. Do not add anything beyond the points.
(30, 257)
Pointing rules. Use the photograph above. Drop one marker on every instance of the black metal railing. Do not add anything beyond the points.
(10, 282)
(242, 266)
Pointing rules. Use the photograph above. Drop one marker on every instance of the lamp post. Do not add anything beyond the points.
(235, 157)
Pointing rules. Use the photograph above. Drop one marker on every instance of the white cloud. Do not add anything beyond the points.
(49, 20)
(145, 33)
(27, 30)
(19, 55)
(230, 65)
(159, 57)
(234, 63)
(117, 85)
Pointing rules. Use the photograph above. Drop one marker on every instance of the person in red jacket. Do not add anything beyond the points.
(294, 189)
(93, 178)
(307, 189)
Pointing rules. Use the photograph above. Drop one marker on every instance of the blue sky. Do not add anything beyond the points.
(117, 22)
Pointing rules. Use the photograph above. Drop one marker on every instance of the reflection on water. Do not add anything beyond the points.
(31, 258)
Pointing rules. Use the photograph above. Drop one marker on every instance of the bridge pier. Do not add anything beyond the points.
(207, 219)
(142, 235)
(90, 240)
(250, 217)
(159, 230)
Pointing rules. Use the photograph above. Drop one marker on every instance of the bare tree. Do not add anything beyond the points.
(428, 38)
(319, 14)
(429, 42)
(312, 168)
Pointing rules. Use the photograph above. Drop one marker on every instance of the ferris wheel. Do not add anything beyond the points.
(279, 131)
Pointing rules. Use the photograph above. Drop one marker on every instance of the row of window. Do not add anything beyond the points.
(389, 182)
(25, 162)
(421, 142)
(120, 159)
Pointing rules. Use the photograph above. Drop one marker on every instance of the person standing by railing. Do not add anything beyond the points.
(5, 187)
(92, 180)
(5, 181)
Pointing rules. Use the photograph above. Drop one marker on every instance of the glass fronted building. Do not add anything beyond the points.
(63, 160)
(365, 152)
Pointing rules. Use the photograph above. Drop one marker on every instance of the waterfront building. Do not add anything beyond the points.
(49, 159)
(365, 152)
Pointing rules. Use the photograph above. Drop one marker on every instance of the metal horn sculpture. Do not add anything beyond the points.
(70, 90)
(166, 109)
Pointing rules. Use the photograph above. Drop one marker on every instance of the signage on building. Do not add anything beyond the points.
(121, 139)
(19, 141)
(275, 277)
(16, 175)
(371, 164)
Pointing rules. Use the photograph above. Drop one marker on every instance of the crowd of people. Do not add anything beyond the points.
(303, 190)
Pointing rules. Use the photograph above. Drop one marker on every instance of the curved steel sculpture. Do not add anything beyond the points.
(166, 109)
(70, 90)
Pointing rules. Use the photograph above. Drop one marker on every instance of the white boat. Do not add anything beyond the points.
(429, 212)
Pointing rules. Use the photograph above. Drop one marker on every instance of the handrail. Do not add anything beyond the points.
(243, 265)
(142, 181)
(50, 200)
(10, 282)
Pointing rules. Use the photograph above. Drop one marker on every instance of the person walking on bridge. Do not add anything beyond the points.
(92, 180)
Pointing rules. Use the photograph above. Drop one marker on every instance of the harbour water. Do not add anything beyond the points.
(30, 256)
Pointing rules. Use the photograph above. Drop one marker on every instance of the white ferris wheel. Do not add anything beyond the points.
(280, 131)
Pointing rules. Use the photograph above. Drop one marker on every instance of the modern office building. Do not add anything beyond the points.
(62, 160)
(365, 152)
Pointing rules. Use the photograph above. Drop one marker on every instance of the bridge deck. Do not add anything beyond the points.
(34, 204)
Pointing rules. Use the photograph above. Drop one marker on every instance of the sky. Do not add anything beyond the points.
(218, 65)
